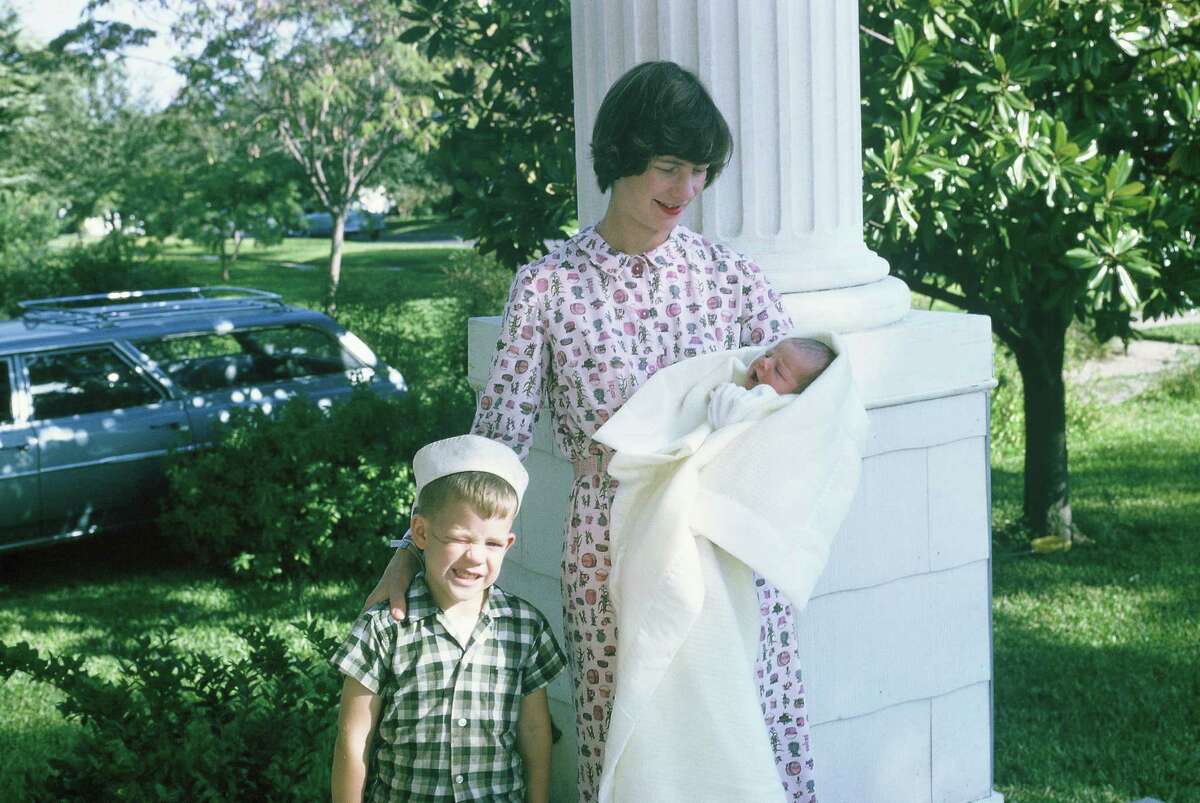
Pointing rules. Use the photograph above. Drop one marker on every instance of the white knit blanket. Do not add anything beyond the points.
(696, 511)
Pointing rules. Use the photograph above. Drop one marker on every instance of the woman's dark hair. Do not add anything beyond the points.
(658, 109)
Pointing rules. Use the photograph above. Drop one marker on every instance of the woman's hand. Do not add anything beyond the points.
(393, 585)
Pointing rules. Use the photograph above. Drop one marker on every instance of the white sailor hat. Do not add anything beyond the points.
(469, 453)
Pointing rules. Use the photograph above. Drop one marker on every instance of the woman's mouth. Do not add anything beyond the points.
(670, 210)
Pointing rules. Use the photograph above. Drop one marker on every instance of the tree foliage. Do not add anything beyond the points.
(1035, 161)
(18, 90)
(227, 181)
(334, 81)
(507, 104)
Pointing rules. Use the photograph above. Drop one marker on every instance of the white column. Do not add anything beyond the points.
(786, 76)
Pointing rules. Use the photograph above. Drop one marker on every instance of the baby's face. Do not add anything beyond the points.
(785, 367)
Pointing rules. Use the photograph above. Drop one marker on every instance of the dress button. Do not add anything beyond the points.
(458, 779)
(462, 722)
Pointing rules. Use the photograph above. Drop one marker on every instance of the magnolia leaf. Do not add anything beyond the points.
(1130, 189)
(1127, 239)
(1082, 259)
(1128, 288)
(1017, 171)
(1088, 153)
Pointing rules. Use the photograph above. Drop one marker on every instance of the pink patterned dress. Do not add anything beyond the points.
(585, 326)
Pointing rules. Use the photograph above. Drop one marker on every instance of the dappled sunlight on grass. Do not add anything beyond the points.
(1096, 649)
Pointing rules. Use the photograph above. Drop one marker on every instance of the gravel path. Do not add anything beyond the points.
(1124, 372)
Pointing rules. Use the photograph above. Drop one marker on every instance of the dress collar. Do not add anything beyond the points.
(621, 265)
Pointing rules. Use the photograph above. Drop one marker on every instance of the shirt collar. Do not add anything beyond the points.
(621, 265)
(421, 604)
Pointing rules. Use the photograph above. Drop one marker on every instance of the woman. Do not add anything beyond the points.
(588, 324)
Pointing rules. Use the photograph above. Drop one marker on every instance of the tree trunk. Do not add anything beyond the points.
(1039, 356)
(224, 257)
(337, 240)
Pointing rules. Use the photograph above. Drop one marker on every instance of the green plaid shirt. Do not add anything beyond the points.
(448, 725)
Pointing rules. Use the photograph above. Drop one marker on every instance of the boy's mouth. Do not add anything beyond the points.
(466, 576)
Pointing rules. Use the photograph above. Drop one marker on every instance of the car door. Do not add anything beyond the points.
(19, 502)
(103, 428)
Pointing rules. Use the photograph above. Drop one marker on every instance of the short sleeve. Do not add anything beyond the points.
(544, 660)
(510, 399)
(365, 653)
(763, 319)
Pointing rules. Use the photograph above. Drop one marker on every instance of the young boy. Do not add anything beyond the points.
(788, 367)
(450, 704)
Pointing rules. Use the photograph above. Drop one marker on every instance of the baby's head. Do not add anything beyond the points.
(468, 491)
(790, 365)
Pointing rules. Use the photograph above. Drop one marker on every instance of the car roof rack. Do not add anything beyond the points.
(110, 309)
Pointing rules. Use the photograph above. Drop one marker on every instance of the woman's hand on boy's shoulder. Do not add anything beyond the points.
(392, 587)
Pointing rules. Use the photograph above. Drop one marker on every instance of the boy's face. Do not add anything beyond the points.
(463, 552)
(785, 367)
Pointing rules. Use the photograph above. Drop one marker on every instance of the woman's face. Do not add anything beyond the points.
(647, 206)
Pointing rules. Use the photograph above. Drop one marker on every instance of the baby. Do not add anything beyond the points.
(788, 367)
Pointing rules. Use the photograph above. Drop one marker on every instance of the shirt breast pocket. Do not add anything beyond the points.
(497, 692)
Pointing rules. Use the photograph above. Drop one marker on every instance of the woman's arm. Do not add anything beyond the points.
(393, 585)
(357, 718)
(762, 318)
(534, 742)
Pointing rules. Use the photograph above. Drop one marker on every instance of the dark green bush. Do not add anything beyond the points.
(180, 726)
(302, 493)
(116, 262)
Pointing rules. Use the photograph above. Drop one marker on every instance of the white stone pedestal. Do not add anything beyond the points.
(896, 642)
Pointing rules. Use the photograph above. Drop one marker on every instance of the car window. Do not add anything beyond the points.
(6, 393)
(85, 381)
(298, 351)
(213, 361)
(201, 362)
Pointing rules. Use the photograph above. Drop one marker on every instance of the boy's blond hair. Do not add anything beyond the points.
(487, 494)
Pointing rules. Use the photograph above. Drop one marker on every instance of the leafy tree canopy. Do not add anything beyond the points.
(1035, 161)
(507, 105)
(334, 80)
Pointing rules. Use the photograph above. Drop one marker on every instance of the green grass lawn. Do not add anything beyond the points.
(1097, 650)
(1174, 333)
(1097, 692)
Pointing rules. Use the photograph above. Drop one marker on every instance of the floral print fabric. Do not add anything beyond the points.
(586, 325)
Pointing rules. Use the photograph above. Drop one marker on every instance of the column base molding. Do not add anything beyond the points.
(848, 309)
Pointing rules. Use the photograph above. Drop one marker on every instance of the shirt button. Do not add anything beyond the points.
(458, 779)
(462, 722)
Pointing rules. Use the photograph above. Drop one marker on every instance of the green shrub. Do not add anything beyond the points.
(113, 263)
(426, 339)
(117, 262)
(1180, 384)
(303, 493)
(481, 280)
(180, 726)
